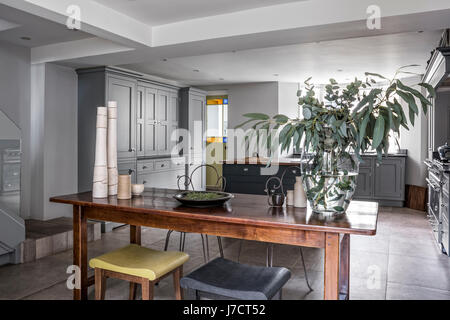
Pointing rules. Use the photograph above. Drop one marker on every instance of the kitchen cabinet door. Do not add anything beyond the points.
(389, 176)
(140, 122)
(197, 111)
(150, 131)
(174, 138)
(163, 123)
(364, 188)
(124, 92)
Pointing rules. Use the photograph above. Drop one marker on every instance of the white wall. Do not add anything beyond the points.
(415, 141)
(54, 135)
(15, 103)
(249, 97)
(287, 99)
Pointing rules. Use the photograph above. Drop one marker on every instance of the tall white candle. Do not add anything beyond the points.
(100, 183)
(112, 148)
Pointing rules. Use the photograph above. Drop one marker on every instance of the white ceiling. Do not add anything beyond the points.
(157, 12)
(41, 31)
(294, 63)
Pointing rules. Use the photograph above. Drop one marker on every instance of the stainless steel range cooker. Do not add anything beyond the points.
(438, 201)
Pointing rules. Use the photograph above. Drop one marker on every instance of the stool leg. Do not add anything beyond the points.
(178, 273)
(167, 239)
(219, 241)
(100, 284)
(207, 246)
(132, 291)
(147, 289)
(304, 268)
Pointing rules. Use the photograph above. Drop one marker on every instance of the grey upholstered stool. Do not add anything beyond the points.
(225, 279)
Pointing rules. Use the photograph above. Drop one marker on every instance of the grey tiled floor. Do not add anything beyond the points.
(400, 262)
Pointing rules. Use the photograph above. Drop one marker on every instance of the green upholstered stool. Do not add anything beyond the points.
(138, 265)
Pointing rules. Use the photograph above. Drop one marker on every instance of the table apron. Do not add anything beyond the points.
(291, 236)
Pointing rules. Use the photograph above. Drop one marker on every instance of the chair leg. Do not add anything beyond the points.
(219, 241)
(133, 287)
(100, 284)
(239, 250)
(147, 289)
(207, 247)
(178, 273)
(304, 268)
(204, 248)
(269, 262)
(167, 239)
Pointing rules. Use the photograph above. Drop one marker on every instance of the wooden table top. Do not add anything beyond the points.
(360, 218)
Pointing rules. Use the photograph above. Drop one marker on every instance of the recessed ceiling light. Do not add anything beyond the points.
(164, 59)
(221, 79)
(339, 70)
(196, 70)
(276, 74)
(420, 31)
(25, 38)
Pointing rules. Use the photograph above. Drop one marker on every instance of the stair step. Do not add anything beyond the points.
(45, 238)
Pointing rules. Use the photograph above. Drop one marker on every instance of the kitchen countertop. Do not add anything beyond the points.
(288, 161)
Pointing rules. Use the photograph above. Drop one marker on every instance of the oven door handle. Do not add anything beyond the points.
(433, 186)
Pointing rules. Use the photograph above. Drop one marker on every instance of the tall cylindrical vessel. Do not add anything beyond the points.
(124, 190)
(299, 194)
(100, 183)
(112, 149)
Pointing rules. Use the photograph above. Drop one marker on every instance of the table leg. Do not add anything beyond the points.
(331, 274)
(80, 251)
(135, 237)
(344, 275)
(135, 234)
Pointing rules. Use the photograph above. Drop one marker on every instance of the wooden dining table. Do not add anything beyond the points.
(244, 217)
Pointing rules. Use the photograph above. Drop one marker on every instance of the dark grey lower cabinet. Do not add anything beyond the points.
(382, 182)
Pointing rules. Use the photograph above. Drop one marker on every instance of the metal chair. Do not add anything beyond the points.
(205, 243)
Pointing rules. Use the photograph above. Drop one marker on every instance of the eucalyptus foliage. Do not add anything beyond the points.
(347, 119)
(348, 122)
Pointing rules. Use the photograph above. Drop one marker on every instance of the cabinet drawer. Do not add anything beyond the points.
(178, 163)
(145, 166)
(243, 170)
(162, 165)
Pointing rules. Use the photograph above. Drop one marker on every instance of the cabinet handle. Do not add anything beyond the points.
(131, 150)
(245, 169)
(378, 164)
(144, 167)
(144, 182)
(130, 171)
(162, 166)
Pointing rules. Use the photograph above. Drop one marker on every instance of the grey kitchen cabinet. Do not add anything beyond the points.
(160, 173)
(157, 119)
(138, 98)
(382, 182)
(123, 91)
(192, 118)
(389, 179)
(365, 181)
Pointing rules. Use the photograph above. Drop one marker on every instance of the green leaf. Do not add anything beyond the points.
(431, 90)
(362, 130)
(409, 98)
(378, 133)
(391, 120)
(343, 129)
(257, 116)
(375, 75)
(281, 118)
(424, 101)
(339, 209)
(307, 113)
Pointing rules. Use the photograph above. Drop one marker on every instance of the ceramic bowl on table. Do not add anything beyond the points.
(137, 189)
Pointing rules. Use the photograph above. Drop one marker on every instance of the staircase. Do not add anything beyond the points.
(12, 234)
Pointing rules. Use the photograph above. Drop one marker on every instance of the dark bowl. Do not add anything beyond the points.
(180, 196)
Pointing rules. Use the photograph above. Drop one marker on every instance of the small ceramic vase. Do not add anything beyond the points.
(124, 188)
